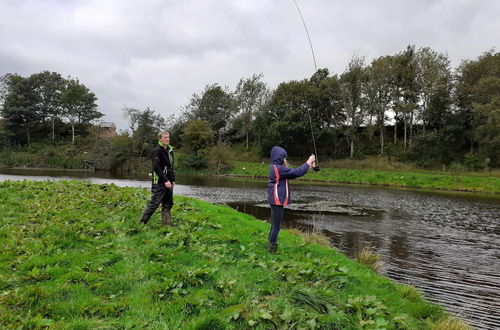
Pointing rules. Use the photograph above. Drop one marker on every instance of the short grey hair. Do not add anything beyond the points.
(162, 133)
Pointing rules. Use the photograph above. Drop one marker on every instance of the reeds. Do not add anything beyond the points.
(451, 323)
(410, 292)
(315, 235)
(367, 257)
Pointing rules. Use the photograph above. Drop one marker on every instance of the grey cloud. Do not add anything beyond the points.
(158, 53)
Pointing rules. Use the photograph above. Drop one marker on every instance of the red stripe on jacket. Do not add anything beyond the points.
(277, 175)
(276, 197)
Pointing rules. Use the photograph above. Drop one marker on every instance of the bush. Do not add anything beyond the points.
(240, 153)
(197, 135)
(473, 162)
(396, 152)
(360, 153)
(424, 163)
(194, 161)
(218, 157)
(457, 166)
(118, 152)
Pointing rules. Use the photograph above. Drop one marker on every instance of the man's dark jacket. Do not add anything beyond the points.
(163, 160)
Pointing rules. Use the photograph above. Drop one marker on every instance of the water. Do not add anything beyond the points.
(446, 244)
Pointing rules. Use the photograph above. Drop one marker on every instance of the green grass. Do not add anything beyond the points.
(421, 179)
(75, 257)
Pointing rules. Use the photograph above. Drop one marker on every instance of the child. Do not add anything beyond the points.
(277, 190)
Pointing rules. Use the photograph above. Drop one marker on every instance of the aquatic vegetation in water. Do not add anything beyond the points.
(326, 207)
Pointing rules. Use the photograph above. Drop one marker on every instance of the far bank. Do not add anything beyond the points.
(375, 171)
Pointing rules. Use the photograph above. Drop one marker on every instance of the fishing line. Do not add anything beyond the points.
(307, 32)
(316, 168)
(175, 9)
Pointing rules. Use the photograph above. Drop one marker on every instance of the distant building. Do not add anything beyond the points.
(107, 129)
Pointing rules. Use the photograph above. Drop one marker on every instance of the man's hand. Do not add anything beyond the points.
(168, 184)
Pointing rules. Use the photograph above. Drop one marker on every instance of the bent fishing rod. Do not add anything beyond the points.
(316, 168)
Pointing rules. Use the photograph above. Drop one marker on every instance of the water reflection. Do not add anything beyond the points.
(446, 244)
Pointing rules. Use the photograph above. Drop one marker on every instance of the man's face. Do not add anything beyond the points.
(165, 139)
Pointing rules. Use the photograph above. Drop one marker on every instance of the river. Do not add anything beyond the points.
(445, 244)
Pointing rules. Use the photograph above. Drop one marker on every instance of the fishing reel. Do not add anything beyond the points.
(315, 168)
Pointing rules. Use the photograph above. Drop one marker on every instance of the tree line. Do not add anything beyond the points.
(411, 105)
(45, 104)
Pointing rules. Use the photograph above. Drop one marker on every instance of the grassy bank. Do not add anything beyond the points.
(422, 179)
(73, 256)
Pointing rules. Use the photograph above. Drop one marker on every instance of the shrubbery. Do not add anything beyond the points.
(218, 157)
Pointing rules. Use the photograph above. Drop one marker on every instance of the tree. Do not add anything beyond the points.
(434, 79)
(78, 104)
(324, 99)
(377, 91)
(487, 132)
(145, 126)
(197, 136)
(250, 95)
(19, 105)
(216, 106)
(406, 90)
(284, 119)
(49, 86)
(477, 89)
(351, 82)
(132, 115)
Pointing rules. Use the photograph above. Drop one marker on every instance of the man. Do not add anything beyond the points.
(163, 181)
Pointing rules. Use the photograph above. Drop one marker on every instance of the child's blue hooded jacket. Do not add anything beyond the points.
(277, 189)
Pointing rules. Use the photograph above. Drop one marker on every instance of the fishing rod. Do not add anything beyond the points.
(316, 168)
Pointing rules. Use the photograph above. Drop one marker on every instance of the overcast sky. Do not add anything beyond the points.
(157, 53)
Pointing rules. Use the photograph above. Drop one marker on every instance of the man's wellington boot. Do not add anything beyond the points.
(272, 247)
(143, 219)
(166, 217)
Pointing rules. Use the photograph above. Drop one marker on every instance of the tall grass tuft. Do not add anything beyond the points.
(314, 235)
(295, 231)
(451, 323)
(409, 292)
(209, 323)
(317, 237)
(367, 257)
(319, 302)
(424, 310)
